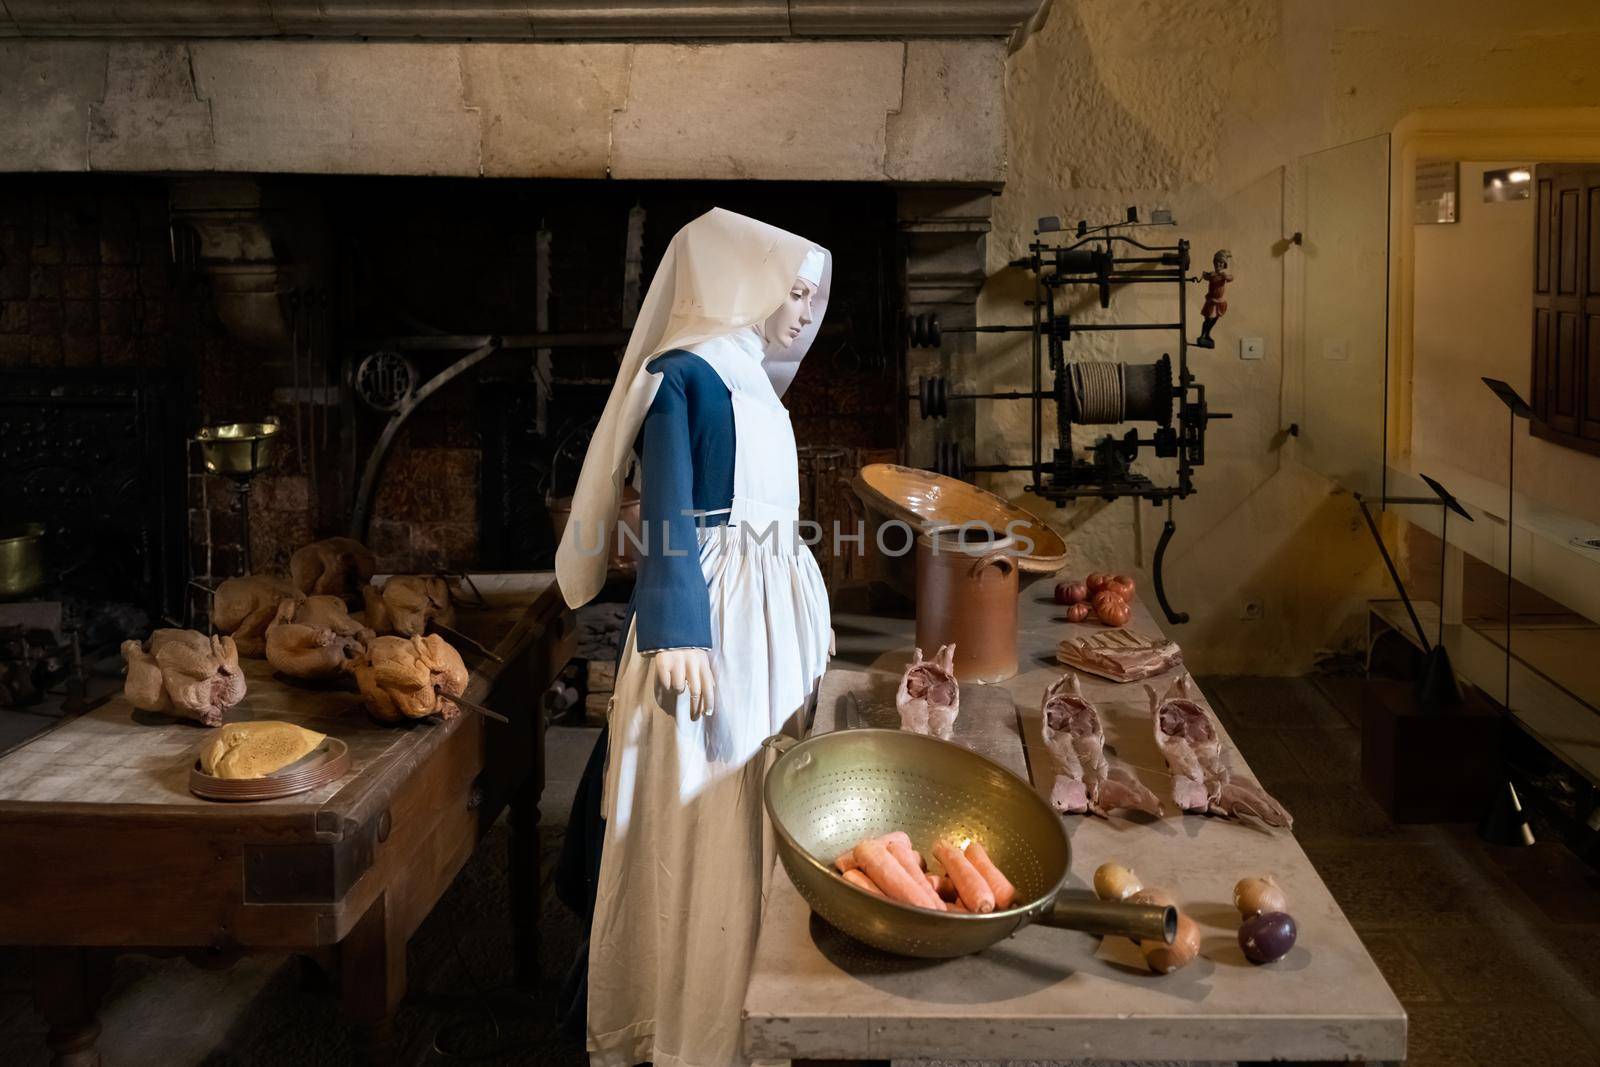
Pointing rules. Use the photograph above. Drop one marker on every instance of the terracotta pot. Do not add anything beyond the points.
(624, 556)
(967, 593)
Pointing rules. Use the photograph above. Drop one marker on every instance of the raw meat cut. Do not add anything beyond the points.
(244, 608)
(404, 604)
(315, 638)
(411, 678)
(1087, 780)
(1120, 654)
(184, 673)
(335, 566)
(1201, 780)
(929, 697)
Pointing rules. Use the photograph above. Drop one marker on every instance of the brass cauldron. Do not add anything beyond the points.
(21, 560)
(826, 793)
(240, 449)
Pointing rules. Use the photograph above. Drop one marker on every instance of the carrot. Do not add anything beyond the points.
(1004, 891)
(877, 863)
(861, 881)
(846, 860)
(911, 861)
(943, 886)
(974, 891)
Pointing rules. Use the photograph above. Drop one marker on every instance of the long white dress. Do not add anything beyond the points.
(688, 851)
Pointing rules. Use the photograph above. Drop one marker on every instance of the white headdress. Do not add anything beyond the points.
(723, 272)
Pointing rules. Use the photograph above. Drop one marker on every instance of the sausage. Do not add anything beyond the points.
(973, 889)
(1004, 891)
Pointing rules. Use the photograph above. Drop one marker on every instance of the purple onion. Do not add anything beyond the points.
(1267, 937)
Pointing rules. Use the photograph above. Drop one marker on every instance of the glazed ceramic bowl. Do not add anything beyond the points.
(926, 500)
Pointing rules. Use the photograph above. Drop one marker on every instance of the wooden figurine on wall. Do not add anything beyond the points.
(1216, 305)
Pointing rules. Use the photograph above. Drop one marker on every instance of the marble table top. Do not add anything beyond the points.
(1057, 994)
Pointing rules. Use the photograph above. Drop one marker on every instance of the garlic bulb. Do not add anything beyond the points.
(1254, 896)
(1113, 881)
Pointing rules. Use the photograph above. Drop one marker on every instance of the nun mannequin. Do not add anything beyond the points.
(726, 639)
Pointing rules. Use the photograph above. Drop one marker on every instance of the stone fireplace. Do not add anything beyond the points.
(269, 216)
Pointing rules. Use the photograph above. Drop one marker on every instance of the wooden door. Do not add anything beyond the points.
(1566, 304)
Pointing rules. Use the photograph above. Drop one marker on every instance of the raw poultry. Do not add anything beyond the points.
(337, 566)
(315, 638)
(411, 678)
(184, 673)
(405, 603)
(244, 608)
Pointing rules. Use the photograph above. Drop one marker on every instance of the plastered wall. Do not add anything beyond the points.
(1206, 107)
(1474, 314)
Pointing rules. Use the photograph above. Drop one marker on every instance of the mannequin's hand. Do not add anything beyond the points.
(832, 649)
(688, 668)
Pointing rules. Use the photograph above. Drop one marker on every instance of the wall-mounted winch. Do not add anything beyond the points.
(1099, 392)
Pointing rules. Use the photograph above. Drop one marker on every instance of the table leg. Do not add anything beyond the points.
(68, 985)
(526, 888)
(839, 1063)
(372, 979)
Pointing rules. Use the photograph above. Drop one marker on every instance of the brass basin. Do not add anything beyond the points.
(21, 560)
(926, 500)
(240, 449)
(826, 793)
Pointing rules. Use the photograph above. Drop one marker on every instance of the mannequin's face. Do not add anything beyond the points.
(792, 316)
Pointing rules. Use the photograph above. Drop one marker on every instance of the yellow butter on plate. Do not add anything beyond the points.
(256, 749)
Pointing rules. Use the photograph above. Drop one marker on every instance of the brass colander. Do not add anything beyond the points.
(826, 793)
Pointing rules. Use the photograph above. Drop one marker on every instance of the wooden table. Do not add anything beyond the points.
(1048, 994)
(103, 848)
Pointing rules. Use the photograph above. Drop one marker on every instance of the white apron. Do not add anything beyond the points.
(688, 850)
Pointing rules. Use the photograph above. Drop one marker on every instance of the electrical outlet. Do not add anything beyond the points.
(1252, 348)
(1252, 611)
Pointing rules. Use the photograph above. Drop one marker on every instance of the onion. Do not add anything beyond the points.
(1153, 897)
(1071, 592)
(1163, 958)
(1267, 937)
(1252, 896)
(1078, 612)
(1112, 609)
(1113, 881)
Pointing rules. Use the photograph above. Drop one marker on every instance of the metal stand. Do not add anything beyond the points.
(1437, 688)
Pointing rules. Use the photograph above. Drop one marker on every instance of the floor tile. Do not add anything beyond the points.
(1481, 1034)
(1327, 756)
(1275, 703)
(1398, 886)
(1401, 969)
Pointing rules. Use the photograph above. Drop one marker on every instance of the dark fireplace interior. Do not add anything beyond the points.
(136, 309)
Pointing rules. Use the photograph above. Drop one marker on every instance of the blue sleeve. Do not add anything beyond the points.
(672, 607)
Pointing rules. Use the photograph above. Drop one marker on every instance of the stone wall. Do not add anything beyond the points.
(924, 110)
(1206, 107)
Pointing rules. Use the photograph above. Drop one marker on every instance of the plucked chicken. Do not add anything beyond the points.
(405, 602)
(184, 673)
(315, 638)
(929, 698)
(1086, 779)
(244, 608)
(1201, 780)
(411, 678)
(334, 566)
